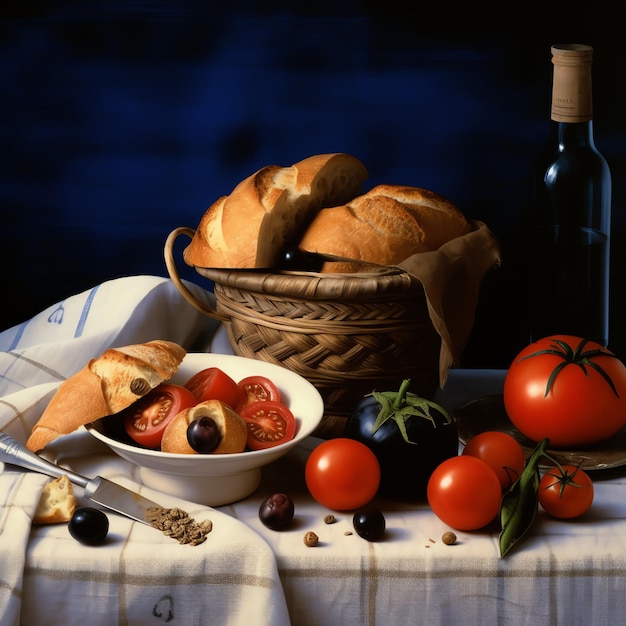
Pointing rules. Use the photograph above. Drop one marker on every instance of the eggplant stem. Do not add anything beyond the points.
(399, 399)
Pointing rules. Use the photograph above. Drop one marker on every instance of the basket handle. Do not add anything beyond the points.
(176, 279)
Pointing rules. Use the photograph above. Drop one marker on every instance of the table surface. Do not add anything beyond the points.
(244, 574)
(563, 573)
(570, 572)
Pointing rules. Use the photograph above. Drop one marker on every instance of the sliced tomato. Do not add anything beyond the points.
(214, 384)
(269, 424)
(256, 389)
(146, 419)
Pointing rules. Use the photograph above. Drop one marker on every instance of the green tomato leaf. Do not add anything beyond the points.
(519, 504)
(577, 356)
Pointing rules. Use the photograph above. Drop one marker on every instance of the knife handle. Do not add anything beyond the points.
(20, 455)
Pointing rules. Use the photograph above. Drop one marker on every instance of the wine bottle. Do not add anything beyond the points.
(568, 250)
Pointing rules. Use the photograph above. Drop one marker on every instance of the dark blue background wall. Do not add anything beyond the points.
(121, 121)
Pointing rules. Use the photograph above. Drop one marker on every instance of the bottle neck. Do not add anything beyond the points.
(572, 135)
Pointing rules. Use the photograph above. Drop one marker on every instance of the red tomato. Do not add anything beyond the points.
(256, 389)
(565, 494)
(501, 452)
(146, 419)
(342, 474)
(214, 384)
(464, 492)
(269, 424)
(568, 390)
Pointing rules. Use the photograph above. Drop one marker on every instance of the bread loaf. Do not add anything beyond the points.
(232, 428)
(56, 503)
(106, 385)
(386, 225)
(250, 227)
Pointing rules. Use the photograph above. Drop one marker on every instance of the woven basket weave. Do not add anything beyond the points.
(348, 334)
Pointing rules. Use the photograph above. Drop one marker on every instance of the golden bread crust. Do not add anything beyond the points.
(106, 385)
(250, 227)
(386, 225)
(230, 424)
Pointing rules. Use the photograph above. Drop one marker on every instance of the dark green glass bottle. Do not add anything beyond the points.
(568, 252)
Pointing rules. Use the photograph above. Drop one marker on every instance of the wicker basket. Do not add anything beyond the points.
(346, 333)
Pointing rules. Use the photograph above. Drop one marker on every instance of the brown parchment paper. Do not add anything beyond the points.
(451, 277)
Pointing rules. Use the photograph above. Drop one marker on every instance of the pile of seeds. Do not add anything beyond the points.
(177, 524)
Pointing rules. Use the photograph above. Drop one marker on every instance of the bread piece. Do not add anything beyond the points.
(386, 225)
(230, 424)
(271, 208)
(106, 385)
(56, 503)
(131, 371)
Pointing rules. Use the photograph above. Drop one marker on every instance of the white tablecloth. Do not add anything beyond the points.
(564, 573)
(139, 576)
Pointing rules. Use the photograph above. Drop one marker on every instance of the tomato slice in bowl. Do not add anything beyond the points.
(269, 424)
(256, 389)
(214, 384)
(146, 419)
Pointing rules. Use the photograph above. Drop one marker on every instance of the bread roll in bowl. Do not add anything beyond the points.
(231, 425)
(386, 225)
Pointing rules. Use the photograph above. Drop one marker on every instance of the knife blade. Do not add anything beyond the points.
(99, 490)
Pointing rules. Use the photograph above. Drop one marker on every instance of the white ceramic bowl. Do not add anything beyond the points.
(219, 479)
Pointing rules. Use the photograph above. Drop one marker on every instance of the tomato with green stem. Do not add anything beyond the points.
(569, 390)
(565, 492)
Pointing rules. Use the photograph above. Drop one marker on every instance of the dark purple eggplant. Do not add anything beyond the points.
(409, 435)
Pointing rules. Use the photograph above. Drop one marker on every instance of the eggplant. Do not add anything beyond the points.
(409, 435)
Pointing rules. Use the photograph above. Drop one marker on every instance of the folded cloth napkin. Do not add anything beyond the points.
(140, 575)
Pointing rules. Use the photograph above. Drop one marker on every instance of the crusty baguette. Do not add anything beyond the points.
(272, 207)
(56, 503)
(386, 225)
(106, 385)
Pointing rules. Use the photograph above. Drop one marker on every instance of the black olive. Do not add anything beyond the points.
(296, 259)
(203, 435)
(369, 523)
(276, 511)
(89, 526)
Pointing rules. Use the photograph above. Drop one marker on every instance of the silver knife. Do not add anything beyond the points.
(100, 490)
